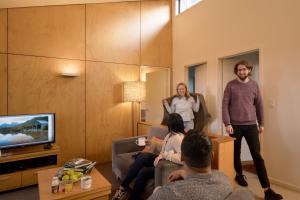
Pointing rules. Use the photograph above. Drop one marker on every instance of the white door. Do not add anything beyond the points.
(157, 89)
(228, 75)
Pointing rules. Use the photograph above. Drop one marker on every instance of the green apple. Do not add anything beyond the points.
(65, 177)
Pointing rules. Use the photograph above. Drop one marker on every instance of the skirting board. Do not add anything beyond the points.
(284, 184)
(276, 181)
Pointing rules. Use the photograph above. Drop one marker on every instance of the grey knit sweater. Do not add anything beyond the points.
(213, 186)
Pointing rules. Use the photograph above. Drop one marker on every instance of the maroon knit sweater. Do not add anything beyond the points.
(242, 104)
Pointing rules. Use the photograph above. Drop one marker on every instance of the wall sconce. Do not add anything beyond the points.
(135, 92)
(70, 71)
(70, 74)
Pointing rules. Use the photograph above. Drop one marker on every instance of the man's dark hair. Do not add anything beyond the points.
(196, 148)
(175, 123)
(242, 62)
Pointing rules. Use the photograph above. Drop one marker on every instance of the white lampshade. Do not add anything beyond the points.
(134, 91)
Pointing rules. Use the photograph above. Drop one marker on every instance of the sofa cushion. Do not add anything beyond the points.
(158, 131)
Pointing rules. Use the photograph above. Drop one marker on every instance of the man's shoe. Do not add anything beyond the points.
(271, 195)
(120, 194)
(240, 179)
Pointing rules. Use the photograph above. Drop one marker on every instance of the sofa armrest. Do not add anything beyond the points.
(126, 145)
(162, 171)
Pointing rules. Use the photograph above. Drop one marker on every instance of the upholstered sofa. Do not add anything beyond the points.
(122, 157)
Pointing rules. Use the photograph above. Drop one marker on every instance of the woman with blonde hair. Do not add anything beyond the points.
(184, 105)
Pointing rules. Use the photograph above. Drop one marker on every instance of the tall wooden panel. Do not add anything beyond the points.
(107, 117)
(3, 30)
(35, 86)
(113, 32)
(156, 33)
(3, 84)
(54, 31)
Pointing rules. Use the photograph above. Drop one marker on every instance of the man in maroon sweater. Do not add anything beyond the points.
(242, 110)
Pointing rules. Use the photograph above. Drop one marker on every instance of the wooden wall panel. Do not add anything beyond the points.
(3, 84)
(34, 86)
(156, 33)
(3, 30)
(108, 117)
(53, 31)
(113, 32)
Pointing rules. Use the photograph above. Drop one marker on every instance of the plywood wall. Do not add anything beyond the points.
(3, 84)
(53, 31)
(113, 32)
(103, 42)
(36, 87)
(156, 40)
(108, 117)
(3, 30)
(3, 61)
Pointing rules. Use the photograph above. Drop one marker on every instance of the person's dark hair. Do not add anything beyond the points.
(242, 62)
(196, 148)
(175, 123)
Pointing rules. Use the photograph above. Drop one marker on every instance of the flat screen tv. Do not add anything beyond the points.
(25, 130)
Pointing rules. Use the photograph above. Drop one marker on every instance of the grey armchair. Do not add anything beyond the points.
(122, 157)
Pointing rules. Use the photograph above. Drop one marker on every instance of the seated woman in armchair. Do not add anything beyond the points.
(143, 167)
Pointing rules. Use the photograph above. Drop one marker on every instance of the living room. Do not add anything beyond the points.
(72, 58)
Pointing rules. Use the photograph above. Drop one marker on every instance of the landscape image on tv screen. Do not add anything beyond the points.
(25, 130)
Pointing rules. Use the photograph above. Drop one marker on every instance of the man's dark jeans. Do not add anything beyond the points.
(251, 134)
(141, 170)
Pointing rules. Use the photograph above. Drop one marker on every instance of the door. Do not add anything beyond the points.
(157, 89)
(228, 74)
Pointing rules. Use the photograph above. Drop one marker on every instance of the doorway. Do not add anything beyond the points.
(227, 70)
(196, 78)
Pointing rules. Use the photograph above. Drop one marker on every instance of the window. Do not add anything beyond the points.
(182, 5)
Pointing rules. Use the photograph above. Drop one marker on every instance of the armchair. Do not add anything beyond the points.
(124, 149)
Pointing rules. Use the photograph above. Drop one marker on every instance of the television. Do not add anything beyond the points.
(25, 130)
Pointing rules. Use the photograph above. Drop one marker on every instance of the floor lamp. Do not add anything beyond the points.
(134, 92)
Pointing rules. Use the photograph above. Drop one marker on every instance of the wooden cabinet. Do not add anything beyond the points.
(10, 181)
(19, 168)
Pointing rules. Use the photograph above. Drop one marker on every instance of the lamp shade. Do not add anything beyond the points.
(134, 91)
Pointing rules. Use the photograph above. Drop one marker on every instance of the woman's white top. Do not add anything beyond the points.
(184, 107)
(171, 149)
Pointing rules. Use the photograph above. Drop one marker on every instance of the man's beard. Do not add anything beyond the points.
(243, 78)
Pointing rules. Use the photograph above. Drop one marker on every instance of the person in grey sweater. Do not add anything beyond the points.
(243, 116)
(198, 180)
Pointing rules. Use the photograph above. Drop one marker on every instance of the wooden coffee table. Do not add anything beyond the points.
(100, 189)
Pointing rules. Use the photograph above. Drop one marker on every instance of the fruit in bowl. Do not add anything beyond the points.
(69, 174)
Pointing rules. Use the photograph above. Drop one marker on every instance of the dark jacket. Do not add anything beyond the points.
(202, 117)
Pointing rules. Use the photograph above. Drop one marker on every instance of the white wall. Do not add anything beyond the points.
(215, 29)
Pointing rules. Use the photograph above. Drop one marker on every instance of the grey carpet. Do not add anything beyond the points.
(32, 193)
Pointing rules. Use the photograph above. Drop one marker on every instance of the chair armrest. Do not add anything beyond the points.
(126, 145)
(162, 171)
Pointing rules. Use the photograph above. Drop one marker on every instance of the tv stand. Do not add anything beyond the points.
(19, 167)
(47, 146)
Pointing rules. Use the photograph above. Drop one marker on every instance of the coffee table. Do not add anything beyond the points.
(100, 189)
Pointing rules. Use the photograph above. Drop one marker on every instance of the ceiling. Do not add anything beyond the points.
(30, 3)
